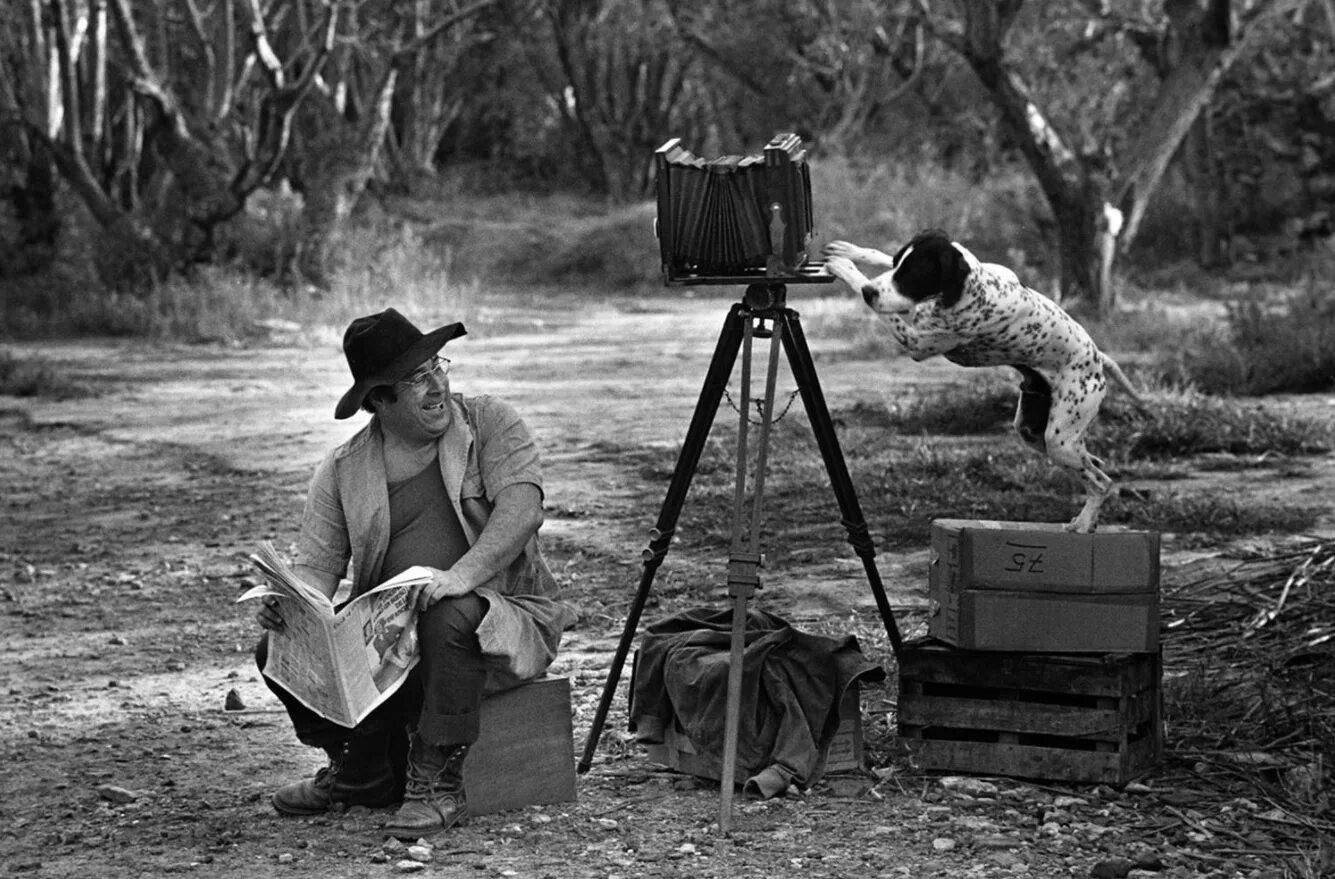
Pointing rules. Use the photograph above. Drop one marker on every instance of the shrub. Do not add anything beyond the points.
(33, 377)
(1178, 423)
(1264, 349)
(882, 205)
(1188, 422)
(960, 410)
(1008, 482)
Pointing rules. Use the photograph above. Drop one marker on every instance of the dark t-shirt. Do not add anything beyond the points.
(423, 527)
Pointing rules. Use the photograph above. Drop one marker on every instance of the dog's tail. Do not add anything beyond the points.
(1110, 366)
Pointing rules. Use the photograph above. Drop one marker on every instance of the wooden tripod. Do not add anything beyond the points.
(763, 313)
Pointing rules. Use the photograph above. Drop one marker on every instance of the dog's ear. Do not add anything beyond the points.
(954, 272)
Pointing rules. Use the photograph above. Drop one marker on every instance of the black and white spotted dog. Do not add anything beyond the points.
(939, 299)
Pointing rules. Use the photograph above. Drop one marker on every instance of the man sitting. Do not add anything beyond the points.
(452, 483)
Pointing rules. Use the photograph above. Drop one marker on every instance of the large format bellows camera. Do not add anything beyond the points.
(735, 219)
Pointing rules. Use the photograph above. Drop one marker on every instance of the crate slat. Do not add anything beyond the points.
(1011, 716)
(1030, 761)
(1093, 675)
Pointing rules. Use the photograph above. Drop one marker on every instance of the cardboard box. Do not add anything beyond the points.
(1033, 587)
(844, 754)
(1041, 557)
(525, 752)
(1058, 717)
(1037, 622)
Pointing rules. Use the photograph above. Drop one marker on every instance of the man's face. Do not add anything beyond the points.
(422, 411)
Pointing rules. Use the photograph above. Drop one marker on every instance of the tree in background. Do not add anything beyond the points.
(1099, 152)
(27, 176)
(161, 120)
(342, 130)
(620, 77)
(616, 78)
(164, 118)
(827, 69)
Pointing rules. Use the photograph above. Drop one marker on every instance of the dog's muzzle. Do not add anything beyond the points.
(883, 301)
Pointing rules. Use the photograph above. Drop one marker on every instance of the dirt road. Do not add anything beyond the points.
(127, 517)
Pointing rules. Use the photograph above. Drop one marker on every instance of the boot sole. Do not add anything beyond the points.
(406, 834)
(298, 812)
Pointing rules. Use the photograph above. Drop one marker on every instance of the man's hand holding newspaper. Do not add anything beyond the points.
(340, 662)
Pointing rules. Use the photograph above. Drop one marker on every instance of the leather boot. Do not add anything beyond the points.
(434, 800)
(358, 774)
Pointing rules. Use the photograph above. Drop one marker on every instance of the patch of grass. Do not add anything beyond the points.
(1209, 517)
(383, 266)
(1179, 422)
(1157, 323)
(33, 377)
(901, 490)
(983, 407)
(1263, 348)
(1188, 422)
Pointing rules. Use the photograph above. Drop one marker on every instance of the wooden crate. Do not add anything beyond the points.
(1060, 717)
(525, 752)
(844, 754)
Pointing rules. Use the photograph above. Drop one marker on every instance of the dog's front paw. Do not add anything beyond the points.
(842, 249)
(842, 268)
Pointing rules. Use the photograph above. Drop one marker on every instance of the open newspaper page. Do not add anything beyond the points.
(340, 663)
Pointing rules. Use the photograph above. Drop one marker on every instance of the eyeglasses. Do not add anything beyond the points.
(438, 366)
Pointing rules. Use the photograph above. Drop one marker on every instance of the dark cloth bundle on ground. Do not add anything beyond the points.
(792, 684)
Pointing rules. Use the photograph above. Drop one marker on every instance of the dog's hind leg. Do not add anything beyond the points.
(1033, 409)
(1068, 421)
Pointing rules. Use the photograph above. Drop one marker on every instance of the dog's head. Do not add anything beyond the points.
(929, 265)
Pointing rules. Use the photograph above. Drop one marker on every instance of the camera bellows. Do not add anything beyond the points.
(734, 217)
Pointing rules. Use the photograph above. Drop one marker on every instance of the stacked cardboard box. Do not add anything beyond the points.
(1034, 587)
(1042, 659)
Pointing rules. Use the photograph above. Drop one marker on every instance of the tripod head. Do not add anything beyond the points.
(765, 297)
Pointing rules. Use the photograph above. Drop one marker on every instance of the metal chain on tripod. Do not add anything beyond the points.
(760, 406)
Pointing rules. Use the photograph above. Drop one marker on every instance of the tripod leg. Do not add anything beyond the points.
(744, 564)
(804, 371)
(711, 394)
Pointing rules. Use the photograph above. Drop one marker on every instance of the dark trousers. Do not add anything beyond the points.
(440, 700)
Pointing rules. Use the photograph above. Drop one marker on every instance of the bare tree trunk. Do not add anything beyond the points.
(1075, 187)
(98, 111)
(426, 102)
(1092, 204)
(618, 78)
(339, 161)
(31, 192)
(1209, 41)
(132, 243)
(336, 178)
(1207, 195)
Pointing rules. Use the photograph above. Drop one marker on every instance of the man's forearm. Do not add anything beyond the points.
(514, 519)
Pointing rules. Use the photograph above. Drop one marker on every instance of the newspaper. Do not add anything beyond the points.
(340, 663)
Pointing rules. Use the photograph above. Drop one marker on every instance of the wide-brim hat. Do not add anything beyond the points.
(385, 348)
